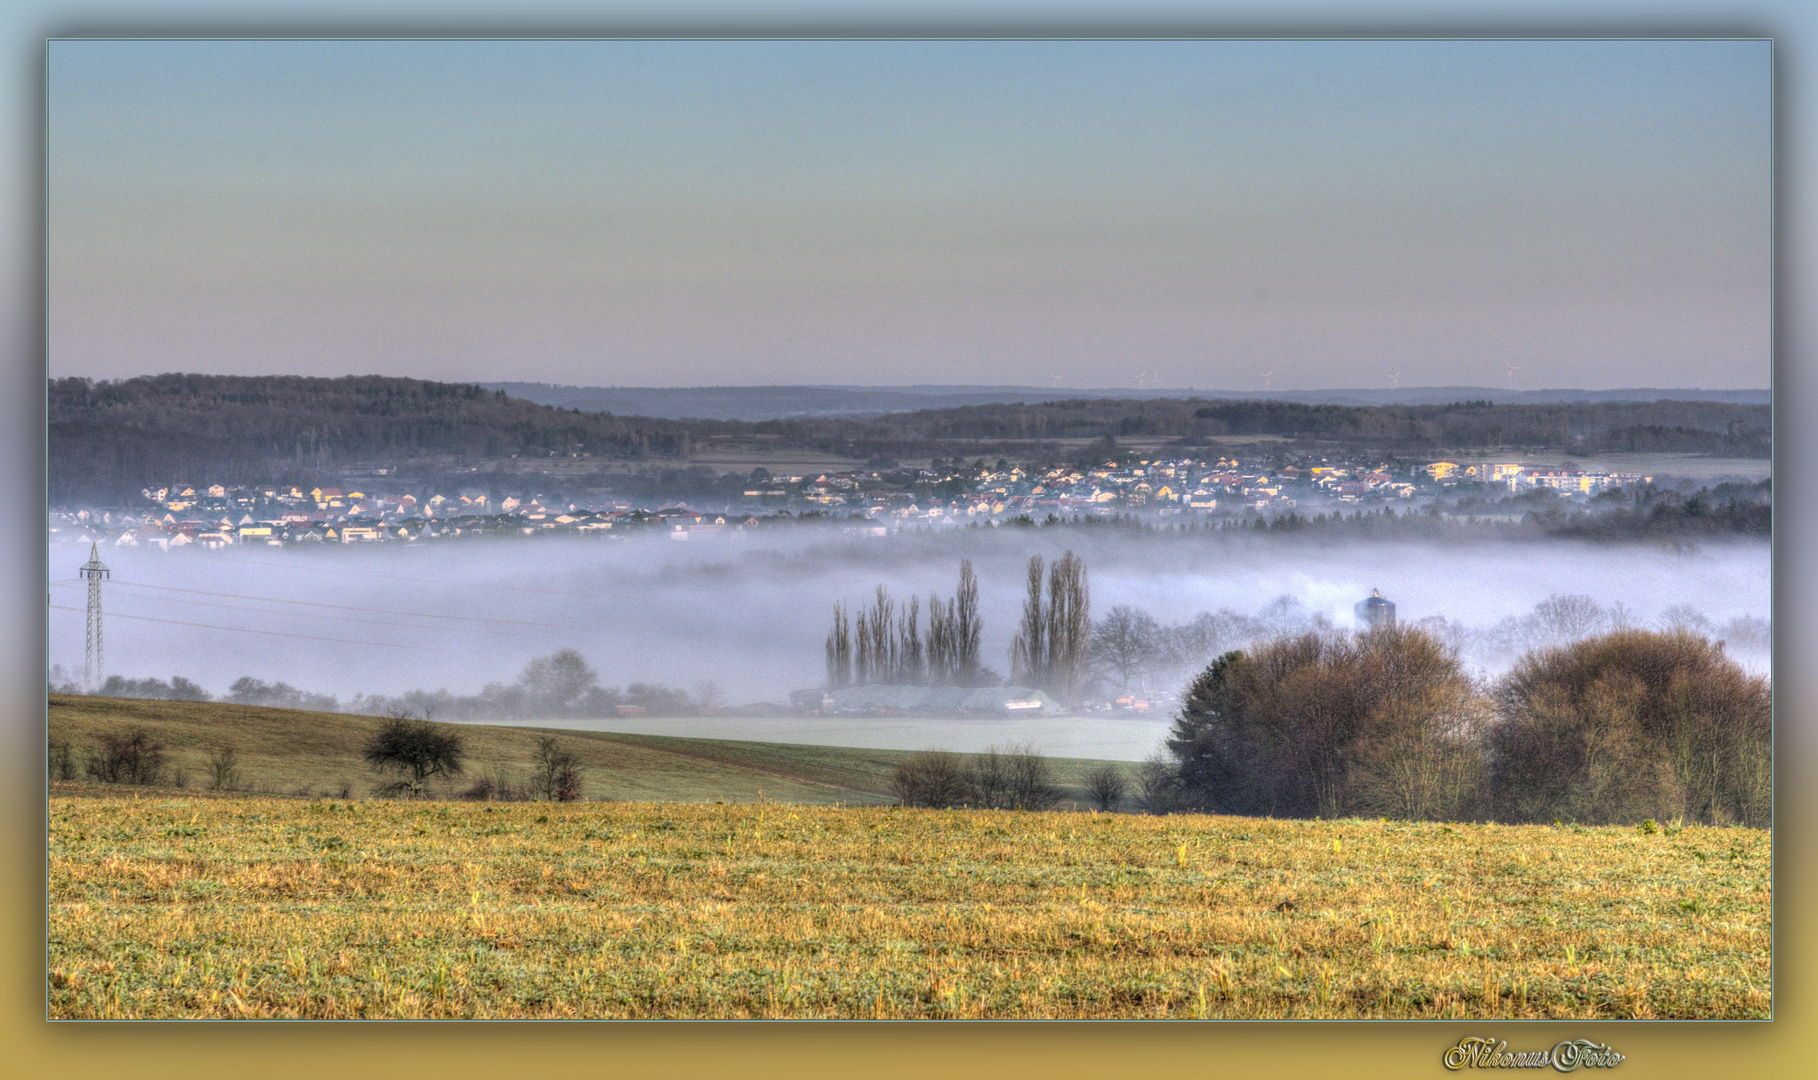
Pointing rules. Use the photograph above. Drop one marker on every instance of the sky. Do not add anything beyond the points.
(1167, 213)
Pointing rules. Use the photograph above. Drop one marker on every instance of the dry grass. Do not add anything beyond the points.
(194, 907)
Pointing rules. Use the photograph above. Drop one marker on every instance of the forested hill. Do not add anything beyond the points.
(358, 417)
(110, 438)
(107, 440)
(1682, 426)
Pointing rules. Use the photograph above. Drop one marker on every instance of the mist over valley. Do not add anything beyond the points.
(749, 613)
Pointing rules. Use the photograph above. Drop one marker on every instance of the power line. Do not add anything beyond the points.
(395, 577)
(366, 610)
(350, 619)
(270, 633)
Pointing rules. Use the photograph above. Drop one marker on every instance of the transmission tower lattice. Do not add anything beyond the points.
(96, 572)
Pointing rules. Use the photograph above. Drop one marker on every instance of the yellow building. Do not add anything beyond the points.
(1442, 470)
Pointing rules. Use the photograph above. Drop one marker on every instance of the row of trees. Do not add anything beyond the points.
(1626, 725)
(1013, 779)
(1130, 648)
(1051, 646)
(561, 684)
(882, 644)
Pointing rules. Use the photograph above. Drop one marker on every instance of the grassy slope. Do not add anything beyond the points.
(249, 907)
(286, 751)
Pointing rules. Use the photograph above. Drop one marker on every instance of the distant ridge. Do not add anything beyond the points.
(754, 403)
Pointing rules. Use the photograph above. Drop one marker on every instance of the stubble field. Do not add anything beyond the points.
(263, 907)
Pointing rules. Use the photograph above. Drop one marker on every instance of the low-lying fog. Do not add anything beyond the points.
(751, 612)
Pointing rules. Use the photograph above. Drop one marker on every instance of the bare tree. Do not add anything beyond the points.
(1193, 645)
(941, 660)
(1017, 778)
(224, 768)
(1107, 785)
(932, 778)
(1158, 786)
(1031, 783)
(863, 665)
(1069, 624)
(62, 760)
(911, 668)
(558, 775)
(1569, 617)
(988, 780)
(1283, 616)
(877, 638)
(966, 624)
(1749, 632)
(1687, 618)
(416, 749)
(130, 757)
(1051, 650)
(709, 696)
(839, 651)
(1028, 656)
(557, 684)
(1127, 644)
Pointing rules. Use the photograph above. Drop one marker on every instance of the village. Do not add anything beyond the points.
(875, 499)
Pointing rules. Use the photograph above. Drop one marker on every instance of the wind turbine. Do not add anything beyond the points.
(1139, 377)
(1512, 370)
(1056, 379)
(1396, 380)
(1264, 375)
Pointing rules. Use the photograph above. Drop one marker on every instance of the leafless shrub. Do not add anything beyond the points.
(130, 758)
(558, 775)
(62, 760)
(1107, 785)
(1158, 786)
(1030, 785)
(224, 768)
(933, 778)
(988, 780)
(497, 787)
(1017, 778)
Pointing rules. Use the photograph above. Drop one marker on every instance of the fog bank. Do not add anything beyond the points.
(751, 612)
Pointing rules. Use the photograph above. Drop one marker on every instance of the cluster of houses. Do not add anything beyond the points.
(1158, 486)
(220, 516)
(1518, 477)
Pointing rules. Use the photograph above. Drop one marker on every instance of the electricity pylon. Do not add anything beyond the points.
(96, 572)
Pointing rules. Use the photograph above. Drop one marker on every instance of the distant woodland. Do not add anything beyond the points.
(108, 440)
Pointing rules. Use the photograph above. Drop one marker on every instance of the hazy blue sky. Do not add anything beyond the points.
(1596, 213)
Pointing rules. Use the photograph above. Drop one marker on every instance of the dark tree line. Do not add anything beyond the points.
(561, 685)
(109, 440)
(1626, 725)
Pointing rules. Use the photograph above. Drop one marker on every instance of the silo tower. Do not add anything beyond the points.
(1374, 611)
